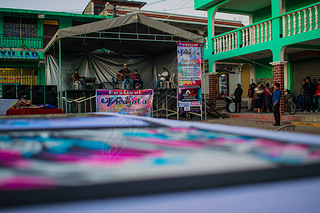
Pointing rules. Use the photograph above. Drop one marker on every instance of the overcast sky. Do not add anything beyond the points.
(77, 6)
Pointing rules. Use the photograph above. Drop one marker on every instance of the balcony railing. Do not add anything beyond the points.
(18, 42)
(298, 21)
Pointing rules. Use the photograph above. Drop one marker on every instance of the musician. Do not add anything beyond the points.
(136, 78)
(125, 75)
(76, 79)
(164, 76)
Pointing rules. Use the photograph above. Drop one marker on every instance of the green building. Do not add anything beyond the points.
(24, 34)
(280, 44)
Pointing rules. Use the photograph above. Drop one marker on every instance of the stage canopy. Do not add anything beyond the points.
(143, 43)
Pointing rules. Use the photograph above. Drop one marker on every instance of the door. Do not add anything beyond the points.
(50, 27)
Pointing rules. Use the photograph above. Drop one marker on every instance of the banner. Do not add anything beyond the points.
(128, 102)
(189, 76)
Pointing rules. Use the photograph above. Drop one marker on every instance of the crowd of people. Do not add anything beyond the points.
(260, 97)
(308, 99)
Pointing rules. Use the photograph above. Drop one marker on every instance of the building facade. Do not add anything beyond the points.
(281, 43)
(23, 35)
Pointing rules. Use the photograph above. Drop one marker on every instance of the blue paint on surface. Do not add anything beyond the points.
(168, 161)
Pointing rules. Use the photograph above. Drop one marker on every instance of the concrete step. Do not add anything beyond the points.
(310, 118)
(312, 124)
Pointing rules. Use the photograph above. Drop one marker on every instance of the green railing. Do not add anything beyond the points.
(291, 23)
(18, 42)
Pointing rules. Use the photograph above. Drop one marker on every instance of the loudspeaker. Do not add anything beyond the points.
(51, 95)
(9, 92)
(37, 94)
(24, 92)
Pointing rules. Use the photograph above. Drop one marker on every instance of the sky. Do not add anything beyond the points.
(77, 6)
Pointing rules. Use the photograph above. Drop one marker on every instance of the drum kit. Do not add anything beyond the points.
(230, 106)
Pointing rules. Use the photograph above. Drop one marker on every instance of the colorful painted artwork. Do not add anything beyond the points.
(144, 149)
(128, 102)
(189, 76)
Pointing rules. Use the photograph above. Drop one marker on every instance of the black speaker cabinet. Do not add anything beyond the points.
(24, 92)
(37, 94)
(51, 95)
(9, 92)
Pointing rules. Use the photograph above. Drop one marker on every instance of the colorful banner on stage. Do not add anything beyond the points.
(189, 76)
(128, 102)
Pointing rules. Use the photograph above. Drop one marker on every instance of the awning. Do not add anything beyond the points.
(131, 34)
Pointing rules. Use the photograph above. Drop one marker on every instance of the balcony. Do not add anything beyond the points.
(18, 42)
(287, 25)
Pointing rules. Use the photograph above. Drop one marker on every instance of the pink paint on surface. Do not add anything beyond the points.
(315, 154)
(180, 129)
(13, 158)
(26, 182)
(171, 143)
(268, 143)
(100, 157)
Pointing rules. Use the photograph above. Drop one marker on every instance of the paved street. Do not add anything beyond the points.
(262, 125)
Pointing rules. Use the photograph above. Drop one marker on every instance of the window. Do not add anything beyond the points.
(20, 27)
(19, 76)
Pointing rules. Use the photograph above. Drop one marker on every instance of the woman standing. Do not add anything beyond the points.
(259, 92)
(267, 95)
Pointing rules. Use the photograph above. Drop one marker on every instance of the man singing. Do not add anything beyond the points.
(126, 76)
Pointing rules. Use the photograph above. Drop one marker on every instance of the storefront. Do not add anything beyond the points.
(227, 78)
(21, 68)
(303, 67)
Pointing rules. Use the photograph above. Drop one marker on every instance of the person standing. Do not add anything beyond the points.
(259, 93)
(250, 95)
(301, 97)
(267, 95)
(125, 74)
(276, 103)
(237, 97)
(309, 94)
(136, 78)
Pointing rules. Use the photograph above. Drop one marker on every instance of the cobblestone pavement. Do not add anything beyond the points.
(262, 125)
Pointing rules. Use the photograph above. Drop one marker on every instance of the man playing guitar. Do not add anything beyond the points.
(125, 75)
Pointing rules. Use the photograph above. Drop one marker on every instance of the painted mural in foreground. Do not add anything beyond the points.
(48, 154)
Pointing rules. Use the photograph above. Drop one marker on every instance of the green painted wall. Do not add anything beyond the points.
(65, 22)
(262, 14)
(290, 86)
(18, 64)
(1, 24)
(296, 4)
(263, 69)
(41, 76)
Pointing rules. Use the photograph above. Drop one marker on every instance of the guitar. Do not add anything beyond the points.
(121, 77)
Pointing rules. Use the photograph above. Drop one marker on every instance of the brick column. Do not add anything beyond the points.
(212, 90)
(278, 76)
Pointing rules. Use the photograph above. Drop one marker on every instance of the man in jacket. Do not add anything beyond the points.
(276, 103)
(237, 95)
(309, 94)
(301, 96)
(136, 78)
